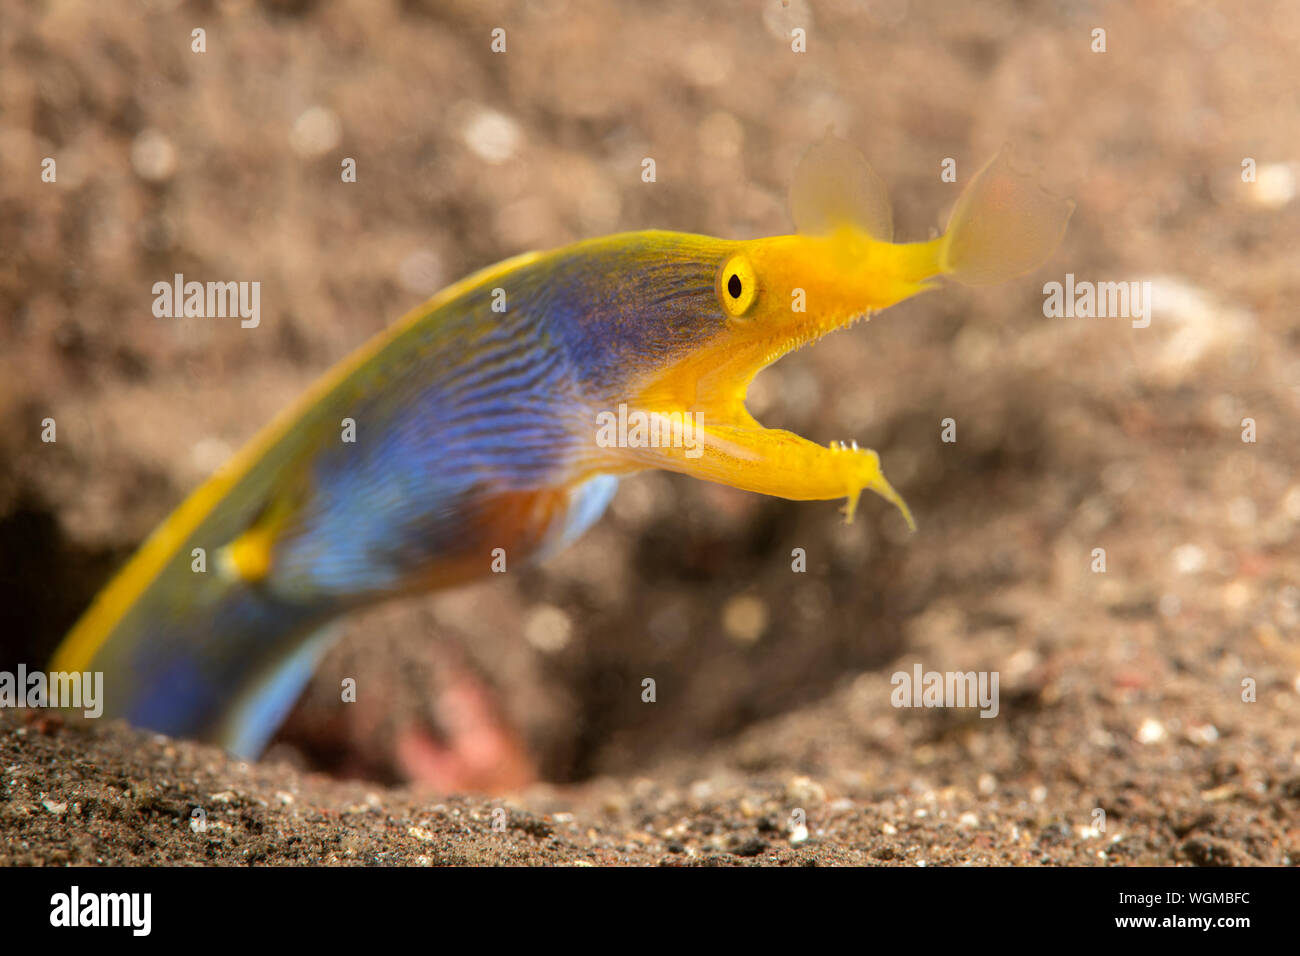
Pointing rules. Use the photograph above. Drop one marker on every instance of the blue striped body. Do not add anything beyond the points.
(473, 431)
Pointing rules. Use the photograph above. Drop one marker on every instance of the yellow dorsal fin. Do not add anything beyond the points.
(834, 187)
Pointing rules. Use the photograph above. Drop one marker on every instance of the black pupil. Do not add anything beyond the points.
(733, 286)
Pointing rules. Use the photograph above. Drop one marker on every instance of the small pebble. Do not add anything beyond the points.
(315, 132)
(548, 629)
(804, 791)
(493, 137)
(152, 156)
(1151, 731)
(1275, 184)
(744, 619)
(1189, 559)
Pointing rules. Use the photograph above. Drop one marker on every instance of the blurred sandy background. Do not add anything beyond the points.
(1120, 691)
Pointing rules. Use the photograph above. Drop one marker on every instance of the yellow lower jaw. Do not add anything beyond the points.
(864, 473)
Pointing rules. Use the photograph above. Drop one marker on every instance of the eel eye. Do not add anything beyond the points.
(737, 285)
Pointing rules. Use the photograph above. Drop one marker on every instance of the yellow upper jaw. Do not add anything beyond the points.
(808, 286)
(841, 275)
